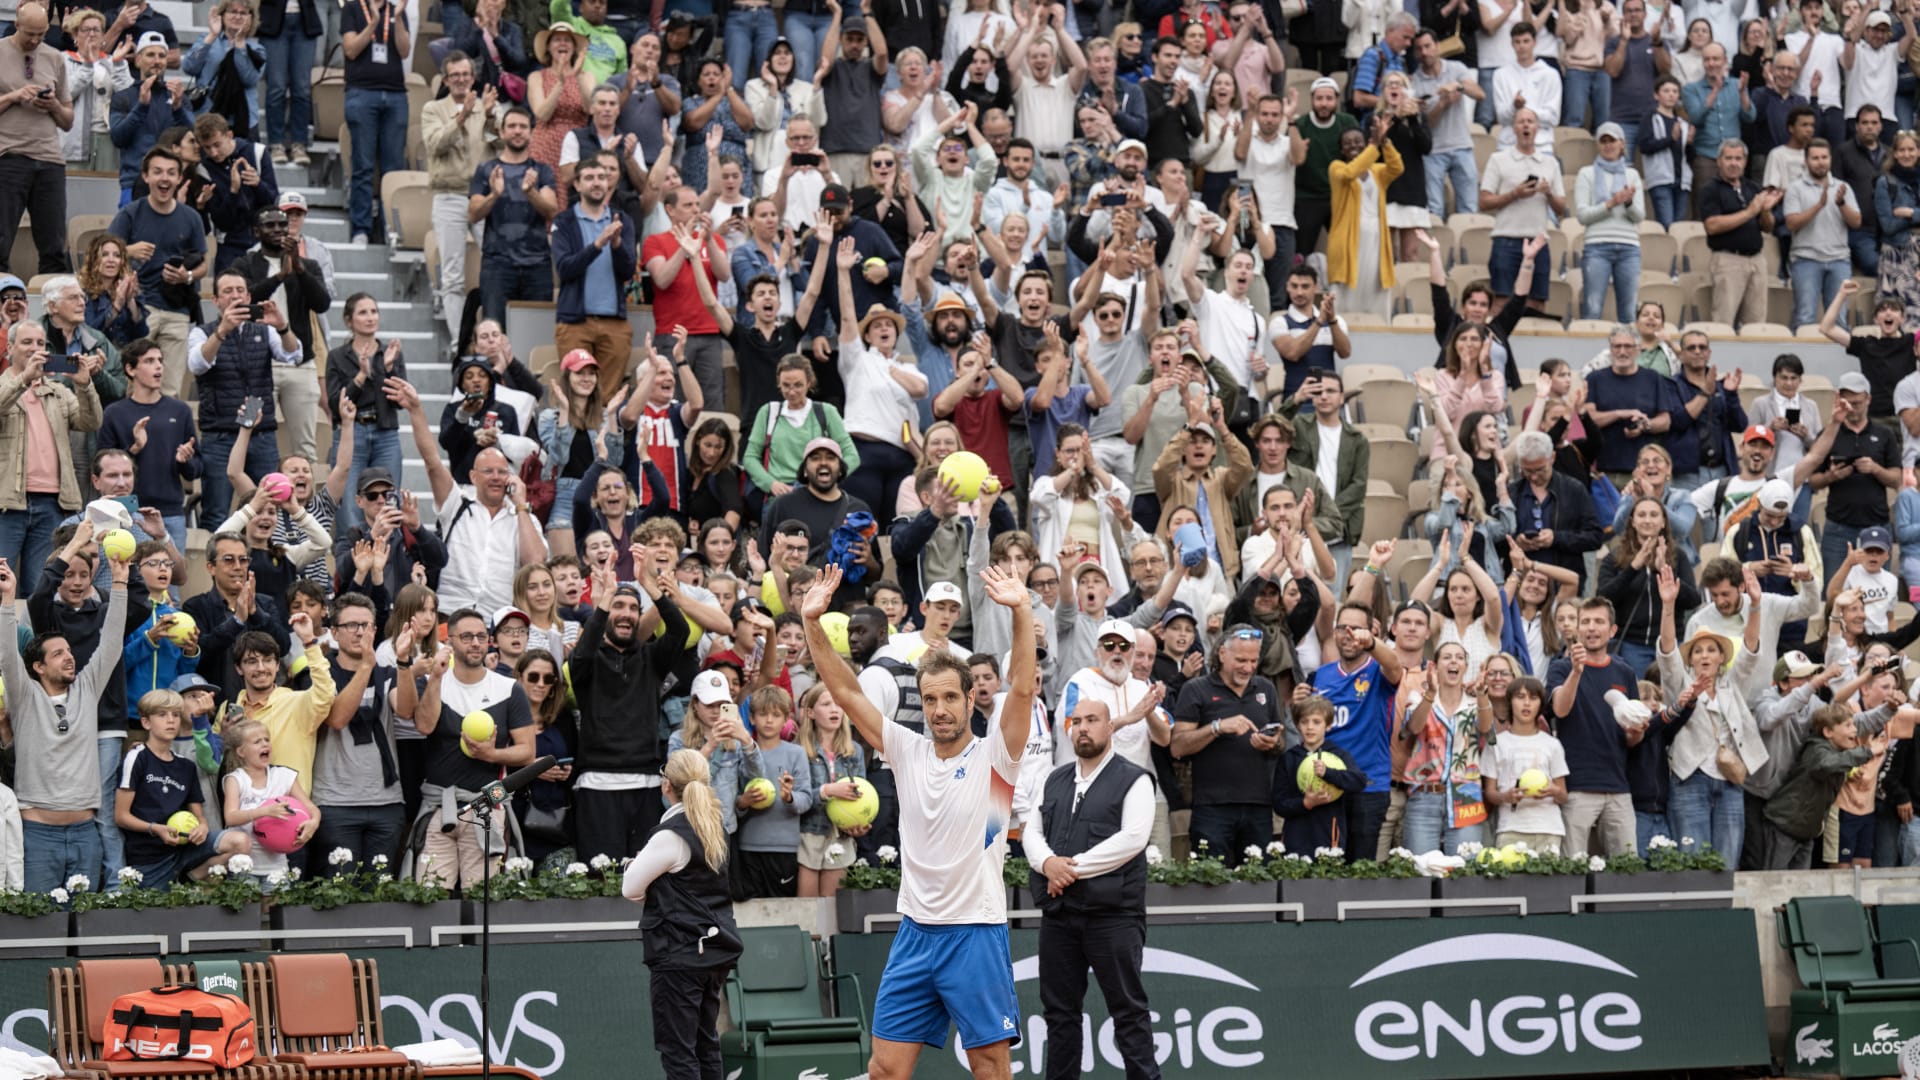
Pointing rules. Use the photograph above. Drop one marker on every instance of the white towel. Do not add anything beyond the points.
(441, 1052)
(22, 1065)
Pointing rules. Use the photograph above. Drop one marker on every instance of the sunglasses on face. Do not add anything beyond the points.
(1251, 634)
(1115, 645)
(540, 678)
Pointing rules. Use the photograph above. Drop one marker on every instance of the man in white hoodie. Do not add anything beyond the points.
(1726, 615)
(1133, 703)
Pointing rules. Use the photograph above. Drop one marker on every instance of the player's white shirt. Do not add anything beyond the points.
(954, 815)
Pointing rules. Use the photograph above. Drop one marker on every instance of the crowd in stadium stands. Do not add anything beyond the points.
(1121, 253)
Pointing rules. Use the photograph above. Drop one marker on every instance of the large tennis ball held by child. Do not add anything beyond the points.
(857, 811)
(478, 727)
(1312, 784)
(966, 471)
(183, 823)
(117, 544)
(281, 834)
(181, 629)
(277, 486)
(1534, 782)
(761, 793)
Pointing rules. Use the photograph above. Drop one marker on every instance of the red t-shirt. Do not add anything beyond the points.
(663, 433)
(983, 429)
(679, 304)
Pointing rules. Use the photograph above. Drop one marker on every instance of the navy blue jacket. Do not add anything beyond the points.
(572, 255)
(134, 127)
(910, 535)
(869, 240)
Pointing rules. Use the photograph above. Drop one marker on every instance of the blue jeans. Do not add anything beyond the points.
(1705, 810)
(501, 282)
(1667, 202)
(1910, 842)
(216, 494)
(1458, 166)
(1581, 90)
(1425, 826)
(377, 120)
(54, 853)
(1483, 109)
(372, 448)
(1834, 538)
(110, 749)
(1639, 657)
(1864, 246)
(364, 830)
(289, 86)
(804, 33)
(1600, 263)
(749, 38)
(1647, 826)
(562, 515)
(1815, 284)
(1229, 829)
(26, 537)
(1632, 132)
(1504, 267)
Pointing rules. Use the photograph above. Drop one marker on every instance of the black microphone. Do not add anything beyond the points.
(500, 791)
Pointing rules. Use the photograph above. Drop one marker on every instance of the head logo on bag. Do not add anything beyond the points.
(180, 1023)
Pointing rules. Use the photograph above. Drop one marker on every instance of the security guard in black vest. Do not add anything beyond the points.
(687, 927)
(1087, 840)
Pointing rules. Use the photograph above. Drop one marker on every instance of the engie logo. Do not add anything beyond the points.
(1521, 1025)
(1225, 1037)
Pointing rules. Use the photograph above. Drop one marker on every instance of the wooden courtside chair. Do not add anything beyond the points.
(321, 1011)
(80, 1004)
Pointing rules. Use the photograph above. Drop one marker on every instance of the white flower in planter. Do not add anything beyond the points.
(1471, 848)
(1276, 849)
(294, 874)
(887, 854)
(79, 883)
(1399, 853)
(216, 871)
(1596, 864)
(240, 864)
(130, 876)
(1661, 841)
(1295, 856)
(379, 862)
(277, 878)
(59, 896)
(519, 864)
(576, 869)
(1252, 852)
(383, 877)
(1686, 841)
(339, 856)
(1154, 858)
(600, 862)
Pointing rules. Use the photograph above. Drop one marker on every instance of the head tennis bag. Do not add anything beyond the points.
(180, 1023)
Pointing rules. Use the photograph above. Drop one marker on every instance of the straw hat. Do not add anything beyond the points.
(1703, 635)
(541, 39)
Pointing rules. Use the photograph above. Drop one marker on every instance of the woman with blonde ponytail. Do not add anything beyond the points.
(687, 927)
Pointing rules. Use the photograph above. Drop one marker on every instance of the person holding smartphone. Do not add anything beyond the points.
(232, 359)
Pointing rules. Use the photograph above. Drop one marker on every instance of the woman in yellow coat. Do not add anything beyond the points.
(1359, 256)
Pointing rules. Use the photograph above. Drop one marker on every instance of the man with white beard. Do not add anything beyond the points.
(1133, 703)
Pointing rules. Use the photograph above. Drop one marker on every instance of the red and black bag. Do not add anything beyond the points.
(180, 1023)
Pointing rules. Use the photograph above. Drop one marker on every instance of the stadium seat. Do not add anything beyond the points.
(1810, 332)
(1464, 274)
(544, 362)
(1375, 431)
(1377, 485)
(1468, 220)
(1752, 386)
(1519, 399)
(1411, 295)
(1672, 299)
(1476, 244)
(1780, 303)
(408, 202)
(1575, 148)
(1694, 253)
(1551, 326)
(1484, 144)
(322, 1013)
(1448, 241)
(1419, 499)
(1557, 243)
(80, 232)
(1659, 252)
(1600, 327)
(1854, 981)
(1384, 514)
(1359, 374)
(1765, 329)
(774, 1003)
(1389, 401)
(1393, 460)
(1413, 321)
(1818, 389)
(1898, 922)
(329, 104)
(1370, 320)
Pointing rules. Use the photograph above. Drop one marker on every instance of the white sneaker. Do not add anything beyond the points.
(279, 155)
(359, 238)
(299, 154)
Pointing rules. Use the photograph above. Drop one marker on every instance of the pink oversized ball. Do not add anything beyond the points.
(276, 485)
(281, 833)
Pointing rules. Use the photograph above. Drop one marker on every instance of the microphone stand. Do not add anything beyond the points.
(482, 810)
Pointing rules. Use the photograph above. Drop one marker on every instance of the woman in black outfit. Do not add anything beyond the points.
(687, 926)
(888, 201)
(981, 77)
(714, 481)
(1476, 305)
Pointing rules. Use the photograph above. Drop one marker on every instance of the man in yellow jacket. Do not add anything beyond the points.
(293, 717)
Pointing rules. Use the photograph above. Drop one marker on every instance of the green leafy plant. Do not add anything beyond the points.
(882, 875)
(30, 905)
(1200, 867)
(1665, 857)
(231, 886)
(1333, 864)
(1016, 873)
(132, 895)
(1515, 860)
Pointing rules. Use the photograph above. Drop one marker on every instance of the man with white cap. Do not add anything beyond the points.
(1134, 705)
(1873, 66)
(1320, 129)
(139, 113)
(1858, 467)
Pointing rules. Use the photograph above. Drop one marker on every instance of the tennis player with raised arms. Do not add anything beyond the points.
(950, 963)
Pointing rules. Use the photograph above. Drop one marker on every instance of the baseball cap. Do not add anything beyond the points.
(945, 590)
(1854, 383)
(1204, 429)
(152, 39)
(374, 475)
(854, 25)
(577, 359)
(1874, 538)
(822, 443)
(1176, 610)
(293, 200)
(724, 658)
(1794, 665)
(1776, 495)
(1611, 130)
(835, 197)
(1129, 144)
(1879, 18)
(1323, 83)
(190, 682)
(1761, 432)
(744, 605)
(710, 688)
(109, 514)
(1086, 565)
(509, 612)
(8, 281)
(1115, 628)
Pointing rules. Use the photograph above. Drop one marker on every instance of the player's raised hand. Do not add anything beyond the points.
(1003, 588)
(819, 596)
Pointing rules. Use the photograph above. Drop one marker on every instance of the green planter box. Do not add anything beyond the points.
(13, 928)
(421, 918)
(1233, 892)
(1322, 897)
(1546, 894)
(1683, 881)
(169, 921)
(854, 905)
(532, 912)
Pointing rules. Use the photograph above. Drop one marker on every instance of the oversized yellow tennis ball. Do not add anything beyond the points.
(477, 726)
(117, 544)
(835, 624)
(183, 823)
(857, 811)
(761, 792)
(966, 471)
(1534, 782)
(1311, 784)
(182, 628)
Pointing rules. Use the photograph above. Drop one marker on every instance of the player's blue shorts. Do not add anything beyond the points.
(938, 975)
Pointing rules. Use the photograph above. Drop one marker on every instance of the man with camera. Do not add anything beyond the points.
(233, 357)
(38, 485)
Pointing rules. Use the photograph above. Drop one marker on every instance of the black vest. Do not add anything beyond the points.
(907, 678)
(1070, 832)
(683, 909)
(243, 369)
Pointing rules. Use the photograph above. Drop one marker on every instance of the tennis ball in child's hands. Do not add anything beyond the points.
(183, 823)
(117, 544)
(182, 628)
(966, 471)
(1534, 782)
(761, 792)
